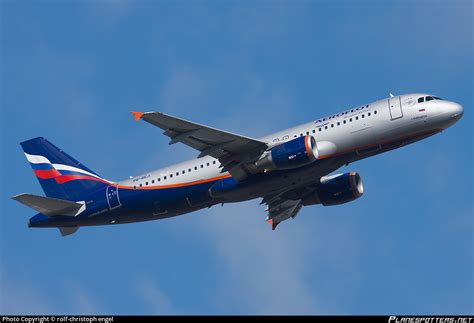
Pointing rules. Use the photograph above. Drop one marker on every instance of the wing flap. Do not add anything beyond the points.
(281, 209)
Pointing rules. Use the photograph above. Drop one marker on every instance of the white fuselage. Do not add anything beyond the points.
(363, 130)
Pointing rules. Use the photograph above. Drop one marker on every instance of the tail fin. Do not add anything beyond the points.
(60, 175)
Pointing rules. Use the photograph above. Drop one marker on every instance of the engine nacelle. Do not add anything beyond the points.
(291, 154)
(337, 189)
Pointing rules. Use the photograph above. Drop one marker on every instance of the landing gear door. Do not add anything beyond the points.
(395, 107)
(113, 199)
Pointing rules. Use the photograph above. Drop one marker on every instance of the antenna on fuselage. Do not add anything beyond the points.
(391, 95)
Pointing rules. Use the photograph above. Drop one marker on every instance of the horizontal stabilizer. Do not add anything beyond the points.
(51, 206)
(65, 231)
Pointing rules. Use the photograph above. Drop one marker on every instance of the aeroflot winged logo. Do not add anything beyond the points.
(44, 169)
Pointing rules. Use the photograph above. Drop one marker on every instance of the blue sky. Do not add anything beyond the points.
(71, 71)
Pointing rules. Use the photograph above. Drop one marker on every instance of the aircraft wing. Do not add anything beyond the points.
(280, 209)
(233, 151)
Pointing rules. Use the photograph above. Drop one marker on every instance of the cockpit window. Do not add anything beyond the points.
(428, 98)
(431, 98)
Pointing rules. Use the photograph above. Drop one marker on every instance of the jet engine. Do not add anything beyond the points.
(295, 153)
(337, 189)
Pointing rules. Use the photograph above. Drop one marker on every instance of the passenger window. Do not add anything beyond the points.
(189, 170)
(141, 185)
(177, 173)
(325, 127)
(146, 183)
(183, 172)
(363, 116)
(171, 175)
(195, 168)
(344, 121)
(164, 178)
(350, 119)
(332, 125)
(213, 162)
(357, 118)
(159, 179)
(319, 129)
(338, 123)
(368, 114)
(207, 164)
(375, 112)
(153, 181)
(202, 166)
(301, 135)
(314, 131)
(134, 187)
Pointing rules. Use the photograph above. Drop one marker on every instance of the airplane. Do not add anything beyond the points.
(286, 170)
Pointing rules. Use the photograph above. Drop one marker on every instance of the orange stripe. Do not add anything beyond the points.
(176, 185)
(306, 144)
(228, 175)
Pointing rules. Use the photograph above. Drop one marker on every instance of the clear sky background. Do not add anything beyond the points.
(72, 70)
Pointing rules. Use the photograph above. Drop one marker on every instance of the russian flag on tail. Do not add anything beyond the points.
(60, 175)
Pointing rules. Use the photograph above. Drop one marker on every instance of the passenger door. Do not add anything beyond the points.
(395, 107)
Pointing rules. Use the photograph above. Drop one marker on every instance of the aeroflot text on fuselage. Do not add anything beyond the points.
(340, 114)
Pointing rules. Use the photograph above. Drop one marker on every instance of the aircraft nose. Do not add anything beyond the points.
(455, 110)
